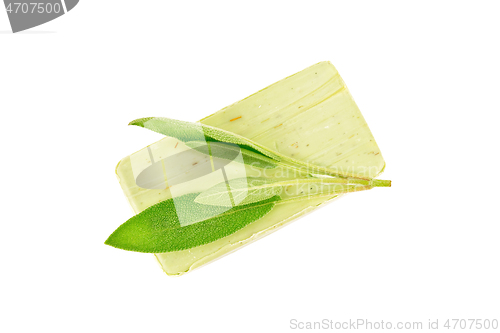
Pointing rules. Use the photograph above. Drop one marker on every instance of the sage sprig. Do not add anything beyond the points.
(228, 206)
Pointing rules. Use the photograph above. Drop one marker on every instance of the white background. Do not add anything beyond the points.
(424, 74)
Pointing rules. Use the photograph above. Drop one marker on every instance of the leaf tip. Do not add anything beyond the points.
(114, 239)
(140, 122)
(109, 241)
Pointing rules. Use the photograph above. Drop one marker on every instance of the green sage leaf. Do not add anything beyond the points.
(157, 229)
(186, 131)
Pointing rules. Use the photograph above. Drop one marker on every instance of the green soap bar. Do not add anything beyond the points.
(309, 116)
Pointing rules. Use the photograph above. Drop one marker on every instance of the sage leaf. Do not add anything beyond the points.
(186, 131)
(157, 229)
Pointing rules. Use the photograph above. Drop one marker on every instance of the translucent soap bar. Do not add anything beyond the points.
(309, 116)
